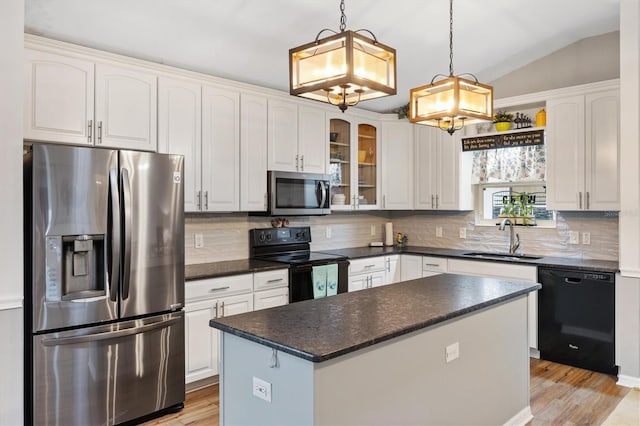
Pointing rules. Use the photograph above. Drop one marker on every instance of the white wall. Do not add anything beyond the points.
(585, 61)
(11, 94)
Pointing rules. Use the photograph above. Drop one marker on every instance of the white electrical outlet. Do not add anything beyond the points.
(439, 231)
(452, 352)
(463, 233)
(586, 238)
(574, 237)
(327, 232)
(198, 240)
(262, 389)
(373, 230)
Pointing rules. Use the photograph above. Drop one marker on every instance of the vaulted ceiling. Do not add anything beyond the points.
(248, 40)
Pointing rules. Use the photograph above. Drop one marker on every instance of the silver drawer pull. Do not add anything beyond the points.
(275, 280)
(213, 290)
(431, 264)
(369, 266)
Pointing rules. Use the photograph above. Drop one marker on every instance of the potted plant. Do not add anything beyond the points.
(502, 120)
(508, 209)
(525, 206)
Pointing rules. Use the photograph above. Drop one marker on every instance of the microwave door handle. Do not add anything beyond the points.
(323, 193)
(126, 207)
(114, 235)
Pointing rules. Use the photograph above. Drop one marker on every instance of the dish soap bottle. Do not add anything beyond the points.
(541, 118)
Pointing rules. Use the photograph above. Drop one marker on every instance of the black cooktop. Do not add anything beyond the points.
(298, 258)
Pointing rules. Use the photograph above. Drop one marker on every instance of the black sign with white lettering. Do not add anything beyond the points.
(510, 140)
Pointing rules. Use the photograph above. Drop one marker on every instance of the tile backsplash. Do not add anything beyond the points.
(226, 236)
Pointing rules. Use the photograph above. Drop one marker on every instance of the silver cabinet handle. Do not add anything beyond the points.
(431, 264)
(216, 308)
(199, 200)
(432, 204)
(213, 290)
(222, 309)
(206, 200)
(353, 203)
(437, 200)
(266, 200)
(90, 131)
(580, 200)
(388, 265)
(277, 280)
(587, 201)
(369, 266)
(297, 163)
(99, 132)
(302, 163)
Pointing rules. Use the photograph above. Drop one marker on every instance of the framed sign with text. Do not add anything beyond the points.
(509, 140)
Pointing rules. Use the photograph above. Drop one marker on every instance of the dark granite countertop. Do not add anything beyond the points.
(546, 261)
(229, 267)
(319, 330)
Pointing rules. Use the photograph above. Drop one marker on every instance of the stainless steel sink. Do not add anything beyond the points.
(498, 255)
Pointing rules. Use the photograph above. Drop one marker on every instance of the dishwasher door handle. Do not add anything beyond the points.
(570, 280)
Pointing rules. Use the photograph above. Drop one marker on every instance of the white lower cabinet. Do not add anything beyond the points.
(270, 298)
(271, 289)
(367, 273)
(410, 267)
(433, 266)
(508, 271)
(392, 269)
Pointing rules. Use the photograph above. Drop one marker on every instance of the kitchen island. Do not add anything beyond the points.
(447, 349)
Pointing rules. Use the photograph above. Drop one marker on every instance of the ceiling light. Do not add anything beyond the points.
(342, 69)
(452, 102)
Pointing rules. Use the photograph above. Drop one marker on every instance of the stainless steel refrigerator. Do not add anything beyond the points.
(104, 284)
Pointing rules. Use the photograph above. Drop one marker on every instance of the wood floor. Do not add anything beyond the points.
(560, 396)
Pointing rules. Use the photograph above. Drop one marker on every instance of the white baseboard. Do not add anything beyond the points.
(522, 418)
(534, 353)
(10, 303)
(628, 381)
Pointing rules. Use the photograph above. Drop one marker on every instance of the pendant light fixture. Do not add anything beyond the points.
(344, 68)
(453, 102)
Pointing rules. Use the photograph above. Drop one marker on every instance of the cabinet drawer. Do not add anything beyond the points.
(271, 279)
(434, 264)
(503, 270)
(218, 287)
(370, 264)
(270, 298)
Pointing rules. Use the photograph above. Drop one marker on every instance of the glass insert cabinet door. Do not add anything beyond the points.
(353, 165)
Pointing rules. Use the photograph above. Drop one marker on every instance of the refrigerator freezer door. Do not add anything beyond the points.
(109, 374)
(69, 267)
(153, 239)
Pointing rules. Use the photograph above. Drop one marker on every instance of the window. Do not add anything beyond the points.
(507, 199)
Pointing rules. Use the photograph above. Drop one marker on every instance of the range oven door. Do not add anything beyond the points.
(298, 193)
(301, 280)
(108, 374)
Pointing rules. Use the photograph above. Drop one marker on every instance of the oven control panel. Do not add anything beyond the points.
(276, 236)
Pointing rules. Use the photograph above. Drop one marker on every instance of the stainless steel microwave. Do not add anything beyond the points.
(291, 193)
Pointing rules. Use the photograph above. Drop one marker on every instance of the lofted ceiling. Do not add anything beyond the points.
(249, 40)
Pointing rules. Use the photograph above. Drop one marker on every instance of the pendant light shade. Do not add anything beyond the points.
(452, 102)
(342, 69)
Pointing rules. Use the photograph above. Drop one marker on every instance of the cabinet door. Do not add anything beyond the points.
(126, 108)
(220, 149)
(358, 282)
(201, 341)
(565, 153)
(234, 305)
(253, 153)
(312, 140)
(340, 159)
(449, 150)
(377, 279)
(397, 165)
(392, 273)
(367, 168)
(426, 152)
(179, 132)
(270, 298)
(58, 103)
(282, 136)
(602, 136)
(410, 267)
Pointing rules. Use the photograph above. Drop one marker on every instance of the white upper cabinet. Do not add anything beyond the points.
(583, 152)
(397, 165)
(296, 138)
(58, 103)
(85, 103)
(220, 149)
(126, 108)
(442, 171)
(312, 140)
(253, 153)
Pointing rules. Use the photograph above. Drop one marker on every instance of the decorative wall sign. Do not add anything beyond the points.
(511, 140)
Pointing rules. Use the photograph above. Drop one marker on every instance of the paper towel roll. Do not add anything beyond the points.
(388, 234)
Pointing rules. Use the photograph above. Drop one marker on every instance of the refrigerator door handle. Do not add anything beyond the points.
(57, 341)
(114, 235)
(126, 207)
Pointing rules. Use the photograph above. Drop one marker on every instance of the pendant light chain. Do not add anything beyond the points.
(450, 38)
(343, 17)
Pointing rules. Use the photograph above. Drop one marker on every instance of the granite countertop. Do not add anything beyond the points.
(319, 330)
(229, 267)
(546, 261)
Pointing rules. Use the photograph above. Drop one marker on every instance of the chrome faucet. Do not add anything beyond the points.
(514, 240)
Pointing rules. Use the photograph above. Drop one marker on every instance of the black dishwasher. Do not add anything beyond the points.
(576, 318)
